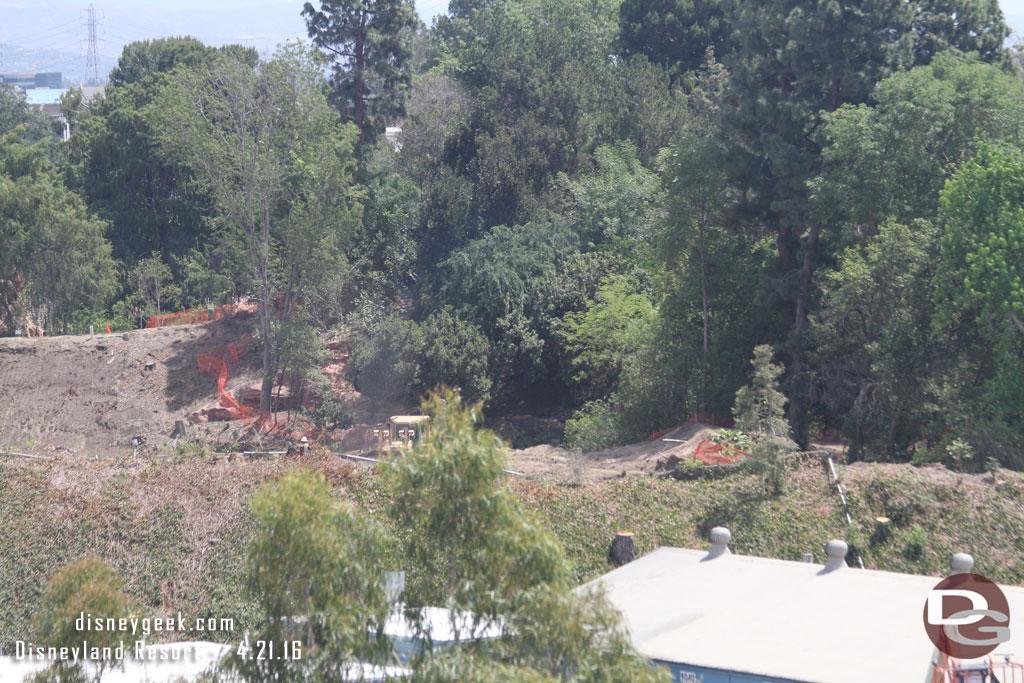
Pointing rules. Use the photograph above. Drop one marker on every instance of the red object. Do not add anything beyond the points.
(216, 363)
(108, 328)
(711, 453)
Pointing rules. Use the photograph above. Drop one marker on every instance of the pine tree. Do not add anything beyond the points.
(368, 41)
(791, 61)
(760, 412)
(760, 406)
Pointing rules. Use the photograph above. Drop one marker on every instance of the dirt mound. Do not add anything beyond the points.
(83, 394)
(561, 464)
(95, 394)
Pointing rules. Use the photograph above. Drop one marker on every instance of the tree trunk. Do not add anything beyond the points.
(359, 102)
(267, 388)
(798, 381)
(704, 306)
(623, 548)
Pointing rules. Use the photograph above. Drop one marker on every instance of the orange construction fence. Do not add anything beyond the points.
(216, 363)
(197, 315)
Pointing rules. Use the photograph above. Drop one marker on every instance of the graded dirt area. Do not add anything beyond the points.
(563, 465)
(84, 396)
(89, 395)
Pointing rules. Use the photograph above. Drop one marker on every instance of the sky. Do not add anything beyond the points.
(51, 35)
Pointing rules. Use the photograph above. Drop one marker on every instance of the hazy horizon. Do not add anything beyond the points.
(52, 36)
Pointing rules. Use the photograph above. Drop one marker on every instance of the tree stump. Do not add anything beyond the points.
(623, 548)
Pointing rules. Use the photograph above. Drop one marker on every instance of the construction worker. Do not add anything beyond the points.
(303, 446)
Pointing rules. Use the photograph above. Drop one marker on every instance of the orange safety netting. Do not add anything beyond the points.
(711, 453)
(216, 363)
(195, 315)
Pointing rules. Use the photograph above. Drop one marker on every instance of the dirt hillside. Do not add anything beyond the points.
(90, 395)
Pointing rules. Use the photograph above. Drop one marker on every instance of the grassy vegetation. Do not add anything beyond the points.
(177, 530)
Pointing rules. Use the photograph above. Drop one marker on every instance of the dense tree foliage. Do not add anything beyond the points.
(673, 33)
(15, 114)
(595, 210)
(369, 45)
(149, 199)
(54, 260)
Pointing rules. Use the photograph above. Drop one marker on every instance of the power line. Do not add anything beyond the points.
(33, 36)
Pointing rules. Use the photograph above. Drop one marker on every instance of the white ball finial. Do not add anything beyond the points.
(961, 563)
(720, 538)
(835, 554)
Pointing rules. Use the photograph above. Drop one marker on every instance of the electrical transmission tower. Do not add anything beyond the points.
(92, 58)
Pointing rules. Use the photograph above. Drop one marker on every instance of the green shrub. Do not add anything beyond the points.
(593, 427)
(384, 365)
(452, 352)
(405, 359)
(732, 438)
(915, 544)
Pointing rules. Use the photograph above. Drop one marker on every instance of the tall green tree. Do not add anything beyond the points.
(150, 200)
(368, 42)
(278, 163)
(983, 248)
(541, 80)
(673, 33)
(54, 258)
(875, 357)
(793, 60)
(889, 158)
(981, 270)
(880, 371)
(965, 25)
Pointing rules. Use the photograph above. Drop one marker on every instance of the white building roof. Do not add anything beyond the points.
(784, 619)
(438, 623)
(39, 96)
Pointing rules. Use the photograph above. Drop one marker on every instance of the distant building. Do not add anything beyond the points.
(47, 101)
(34, 80)
(715, 617)
(393, 134)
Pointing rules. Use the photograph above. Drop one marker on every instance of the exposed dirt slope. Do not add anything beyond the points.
(89, 395)
(562, 465)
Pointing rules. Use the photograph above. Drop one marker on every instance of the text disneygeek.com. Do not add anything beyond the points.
(135, 631)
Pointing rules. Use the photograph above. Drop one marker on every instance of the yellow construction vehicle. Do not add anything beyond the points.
(401, 432)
